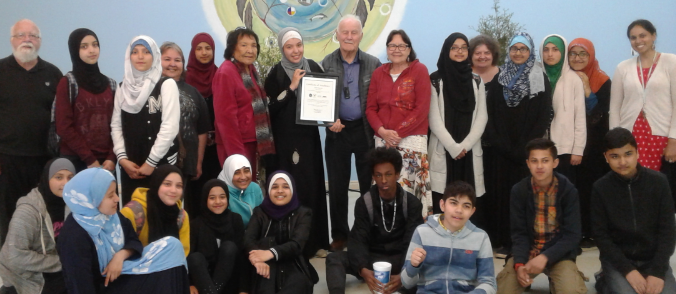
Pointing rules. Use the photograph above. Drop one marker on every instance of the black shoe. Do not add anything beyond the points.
(502, 252)
(587, 243)
(7, 290)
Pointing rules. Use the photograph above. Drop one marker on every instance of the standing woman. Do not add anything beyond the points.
(242, 122)
(245, 194)
(146, 116)
(193, 127)
(485, 54)
(200, 74)
(299, 149)
(100, 252)
(29, 262)
(643, 100)
(457, 121)
(582, 59)
(568, 129)
(83, 121)
(275, 238)
(156, 211)
(397, 109)
(519, 109)
(216, 242)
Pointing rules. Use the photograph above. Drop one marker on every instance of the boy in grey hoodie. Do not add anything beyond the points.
(449, 254)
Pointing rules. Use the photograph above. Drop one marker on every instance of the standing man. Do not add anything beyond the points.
(632, 214)
(27, 89)
(351, 133)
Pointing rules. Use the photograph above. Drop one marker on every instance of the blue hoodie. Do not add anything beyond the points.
(455, 263)
(243, 202)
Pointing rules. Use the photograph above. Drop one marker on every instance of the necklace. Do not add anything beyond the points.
(394, 216)
(644, 79)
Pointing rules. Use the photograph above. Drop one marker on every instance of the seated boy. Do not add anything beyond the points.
(384, 221)
(451, 237)
(545, 225)
(633, 222)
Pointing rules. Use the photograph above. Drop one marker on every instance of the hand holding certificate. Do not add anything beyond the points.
(317, 104)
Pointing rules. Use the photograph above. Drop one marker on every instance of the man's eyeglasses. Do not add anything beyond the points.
(24, 35)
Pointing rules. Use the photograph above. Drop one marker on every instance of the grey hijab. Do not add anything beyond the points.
(290, 67)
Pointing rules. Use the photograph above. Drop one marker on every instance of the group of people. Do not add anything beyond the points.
(528, 158)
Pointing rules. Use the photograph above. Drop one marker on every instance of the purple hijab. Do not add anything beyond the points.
(278, 212)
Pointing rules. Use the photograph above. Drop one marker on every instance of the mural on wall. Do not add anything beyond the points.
(317, 20)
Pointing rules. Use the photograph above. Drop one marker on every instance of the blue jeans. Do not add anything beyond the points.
(615, 282)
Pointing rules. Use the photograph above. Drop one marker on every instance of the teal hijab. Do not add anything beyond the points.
(554, 71)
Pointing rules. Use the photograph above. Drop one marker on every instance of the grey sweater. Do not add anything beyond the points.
(29, 249)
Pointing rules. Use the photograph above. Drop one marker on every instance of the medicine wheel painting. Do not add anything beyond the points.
(316, 20)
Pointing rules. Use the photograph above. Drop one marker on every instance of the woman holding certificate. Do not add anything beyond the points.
(299, 149)
(397, 108)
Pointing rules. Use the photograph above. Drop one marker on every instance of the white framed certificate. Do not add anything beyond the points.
(318, 101)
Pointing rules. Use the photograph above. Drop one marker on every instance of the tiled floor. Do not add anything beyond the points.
(588, 263)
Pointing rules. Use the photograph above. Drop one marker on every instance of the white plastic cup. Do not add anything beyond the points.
(382, 270)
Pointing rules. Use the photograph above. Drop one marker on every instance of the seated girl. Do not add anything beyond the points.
(275, 239)
(29, 262)
(216, 242)
(99, 251)
(246, 195)
(156, 211)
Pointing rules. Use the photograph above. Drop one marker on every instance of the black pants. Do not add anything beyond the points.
(669, 169)
(18, 176)
(54, 283)
(213, 281)
(567, 169)
(129, 185)
(339, 149)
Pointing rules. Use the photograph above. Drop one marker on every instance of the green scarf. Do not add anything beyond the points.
(554, 71)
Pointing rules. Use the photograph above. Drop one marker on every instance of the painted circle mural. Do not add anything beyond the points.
(315, 19)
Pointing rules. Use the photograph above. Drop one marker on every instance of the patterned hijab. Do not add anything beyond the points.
(88, 76)
(520, 81)
(596, 76)
(137, 85)
(200, 75)
(83, 195)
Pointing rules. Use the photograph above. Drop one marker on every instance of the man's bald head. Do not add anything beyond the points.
(25, 40)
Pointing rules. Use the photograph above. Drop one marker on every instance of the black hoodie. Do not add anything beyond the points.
(633, 222)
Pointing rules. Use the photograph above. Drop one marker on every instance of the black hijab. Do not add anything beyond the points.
(162, 219)
(457, 77)
(88, 76)
(218, 223)
(56, 207)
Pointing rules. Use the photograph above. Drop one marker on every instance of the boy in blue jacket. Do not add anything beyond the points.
(449, 254)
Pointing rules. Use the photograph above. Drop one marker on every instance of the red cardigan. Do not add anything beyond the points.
(234, 122)
(402, 106)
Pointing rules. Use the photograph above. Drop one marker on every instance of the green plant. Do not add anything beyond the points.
(268, 57)
(500, 27)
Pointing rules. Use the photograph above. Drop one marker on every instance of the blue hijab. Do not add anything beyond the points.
(83, 195)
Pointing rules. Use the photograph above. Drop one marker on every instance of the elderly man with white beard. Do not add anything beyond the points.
(27, 89)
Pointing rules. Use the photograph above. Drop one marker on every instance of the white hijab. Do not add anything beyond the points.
(231, 164)
(137, 85)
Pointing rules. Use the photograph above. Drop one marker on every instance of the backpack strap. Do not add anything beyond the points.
(72, 89)
(113, 86)
(404, 202)
(369, 205)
